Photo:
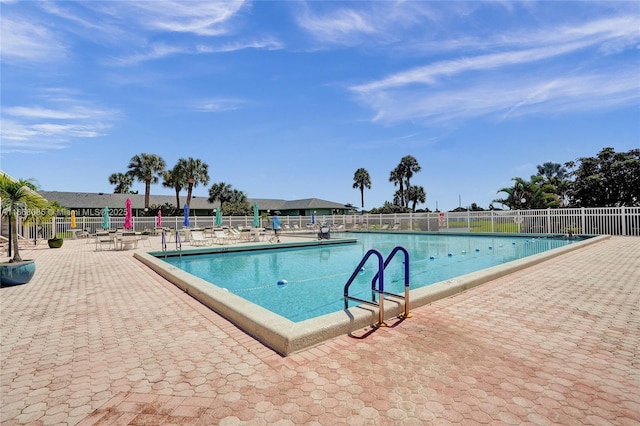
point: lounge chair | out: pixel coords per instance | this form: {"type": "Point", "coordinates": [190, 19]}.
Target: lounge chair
{"type": "Point", "coordinates": [128, 240]}
{"type": "Point", "coordinates": [222, 237]}
{"type": "Point", "coordinates": [197, 238]}
{"type": "Point", "coordinates": [396, 226]}
{"type": "Point", "coordinates": [103, 239]}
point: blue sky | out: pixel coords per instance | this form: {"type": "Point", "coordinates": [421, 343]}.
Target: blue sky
{"type": "Point", "coordinates": [288, 99]}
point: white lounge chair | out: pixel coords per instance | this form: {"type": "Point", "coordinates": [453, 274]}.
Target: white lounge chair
{"type": "Point", "coordinates": [197, 238]}
{"type": "Point", "coordinates": [103, 239]}
{"type": "Point", "coordinates": [222, 237]}
{"type": "Point", "coordinates": [127, 240]}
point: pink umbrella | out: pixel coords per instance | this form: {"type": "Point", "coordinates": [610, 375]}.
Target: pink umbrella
{"type": "Point", "coordinates": [128, 217]}
{"type": "Point", "coordinates": [159, 220]}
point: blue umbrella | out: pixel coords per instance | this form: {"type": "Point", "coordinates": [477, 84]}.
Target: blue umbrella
{"type": "Point", "coordinates": [313, 218]}
{"type": "Point", "coordinates": [186, 215]}
{"type": "Point", "coordinates": [218, 217]}
{"type": "Point", "coordinates": [105, 218]}
{"type": "Point", "coordinates": [256, 219]}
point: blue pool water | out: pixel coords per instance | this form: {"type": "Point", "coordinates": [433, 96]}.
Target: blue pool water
{"type": "Point", "coordinates": [315, 276]}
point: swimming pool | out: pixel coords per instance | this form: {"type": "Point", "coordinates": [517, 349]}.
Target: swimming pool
{"type": "Point", "coordinates": [286, 336]}
{"type": "Point", "coordinates": [303, 283]}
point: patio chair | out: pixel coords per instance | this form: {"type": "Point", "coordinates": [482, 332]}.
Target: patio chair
{"type": "Point", "coordinates": [197, 238]}
{"type": "Point", "coordinates": [222, 237]}
{"type": "Point", "coordinates": [103, 239]}
{"type": "Point", "coordinates": [128, 240]}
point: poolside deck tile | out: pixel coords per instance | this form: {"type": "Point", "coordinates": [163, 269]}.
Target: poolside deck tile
{"type": "Point", "coordinates": [98, 339]}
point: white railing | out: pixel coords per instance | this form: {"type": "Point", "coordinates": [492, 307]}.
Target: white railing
{"type": "Point", "coordinates": [595, 221]}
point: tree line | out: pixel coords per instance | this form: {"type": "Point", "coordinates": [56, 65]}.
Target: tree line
{"type": "Point", "coordinates": [187, 174]}
{"type": "Point", "coordinates": [608, 180]}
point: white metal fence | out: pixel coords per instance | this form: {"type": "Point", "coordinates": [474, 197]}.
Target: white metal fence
{"type": "Point", "coordinates": [597, 221]}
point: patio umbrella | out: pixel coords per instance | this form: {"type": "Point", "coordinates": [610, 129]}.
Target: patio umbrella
{"type": "Point", "coordinates": [159, 220]}
{"type": "Point", "coordinates": [73, 218]}
{"type": "Point", "coordinates": [218, 217]}
{"type": "Point", "coordinates": [256, 219]}
{"type": "Point", "coordinates": [128, 215]}
{"type": "Point", "coordinates": [105, 218]}
{"type": "Point", "coordinates": [313, 218]}
{"type": "Point", "coordinates": [186, 215]}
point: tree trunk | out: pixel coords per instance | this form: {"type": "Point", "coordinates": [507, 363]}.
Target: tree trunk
{"type": "Point", "coordinates": [14, 239]}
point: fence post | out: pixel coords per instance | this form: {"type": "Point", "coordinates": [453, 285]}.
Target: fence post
{"type": "Point", "coordinates": [493, 218]}
{"type": "Point", "coordinates": [548, 220]}
{"type": "Point", "coordinates": [624, 220]}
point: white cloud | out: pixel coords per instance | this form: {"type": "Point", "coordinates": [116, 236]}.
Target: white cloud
{"type": "Point", "coordinates": [25, 41]}
{"type": "Point", "coordinates": [54, 126]}
{"type": "Point", "coordinates": [201, 18]}
{"type": "Point", "coordinates": [515, 81]}
{"type": "Point", "coordinates": [218, 105]}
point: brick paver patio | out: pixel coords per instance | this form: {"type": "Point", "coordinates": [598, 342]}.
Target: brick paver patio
{"type": "Point", "coordinates": [96, 338]}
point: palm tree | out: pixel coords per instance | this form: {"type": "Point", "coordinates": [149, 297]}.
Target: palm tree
{"type": "Point", "coordinates": [361, 180]}
{"type": "Point", "coordinates": [17, 197]}
{"type": "Point", "coordinates": [533, 194]}
{"type": "Point", "coordinates": [409, 165]}
{"type": "Point", "coordinates": [196, 172]}
{"type": "Point", "coordinates": [416, 194]}
{"type": "Point", "coordinates": [397, 178]}
{"type": "Point", "coordinates": [122, 182]}
{"type": "Point", "coordinates": [173, 179]}
{"type": "Point", "coordinates": [402, 175]}
{"type": "Point", "coordinates": [220, 192]}
{"type": "Point", "coordinates": [553, 172]}
{"type": "Point", "coordinates": [146, 168]}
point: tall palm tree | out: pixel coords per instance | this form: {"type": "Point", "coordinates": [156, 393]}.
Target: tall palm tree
{"type": "Point", "coordinates": [122, 181]}
{"type": "Point", "coordinates": [220, 192]}
{"type": "Point", "coordinates": [146, 168]}
{"type": "Point", "coordinates": [409, 165]}
{"type": "Point", "coordinates": [361, 180]}
{"type": "Point", "coordinates": [196, 172]}
{"type": "Point", "coordinates": [401, 176]}
{"type": "Point", "coordinates": [16, 197]}
{"type": "Point", "coordinates": [397, 178]}
{"type": "Point", "coordinates": [173, 179]}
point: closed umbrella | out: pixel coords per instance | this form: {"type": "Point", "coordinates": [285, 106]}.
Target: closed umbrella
{"type": "Point", "coordinates": [159, 220]}
{"type": "Point", "coordinates": [186, 216]}
{"type": "Point", "coordinates": [73, 218]}
{"type": "Point", "coordinates": [256, 219]}
{"type": "Point", "coordinates": [105, 218]}
{"type": "Point", "coordinates": [128, 215]}
{"type": "Point", "coordinates": [218, 217]}
{"type": "Point", "coordinates": [313, 218]}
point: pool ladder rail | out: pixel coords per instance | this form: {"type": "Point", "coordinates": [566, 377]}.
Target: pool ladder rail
{"type": "Point", "coordinates": [379, 280]}
{"type": "Point", "coordinates": [164, 243]}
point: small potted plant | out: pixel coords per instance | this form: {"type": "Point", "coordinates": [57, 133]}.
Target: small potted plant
{"type": "Point", "coordinates": [55, 241]}
{"type": "Point", "coordinates": [18, 198]}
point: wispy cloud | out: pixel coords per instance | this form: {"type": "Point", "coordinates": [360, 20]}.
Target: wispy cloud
{"type": "Point", "coordinates": [466, 86]}
{"type": "Point", "coordinates": [26, 41]}
{"type": "Point", "coordinates": [54, 126]}
{"type": "Point", "coordinates": [218, 105]}
{"type": "Point", "coordinates": [202, 18]}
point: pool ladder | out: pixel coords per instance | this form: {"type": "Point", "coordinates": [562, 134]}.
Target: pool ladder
{"type": "Point", "coordinates": [379, 279]}
{"type": "Point", "coordinates": [164, 243]}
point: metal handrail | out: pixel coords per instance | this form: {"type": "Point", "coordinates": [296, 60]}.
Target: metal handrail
{"type": "Point", "coordinates": [380, 275]}
{"type": "Point", "coordinates": [395, 250]}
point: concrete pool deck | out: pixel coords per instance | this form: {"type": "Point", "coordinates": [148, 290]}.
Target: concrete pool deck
{"type": "Point", "coordinates": [98, 338]}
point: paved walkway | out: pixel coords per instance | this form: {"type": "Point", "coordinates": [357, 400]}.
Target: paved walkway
{"type": "Point", "coordinates": [96, 338]}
